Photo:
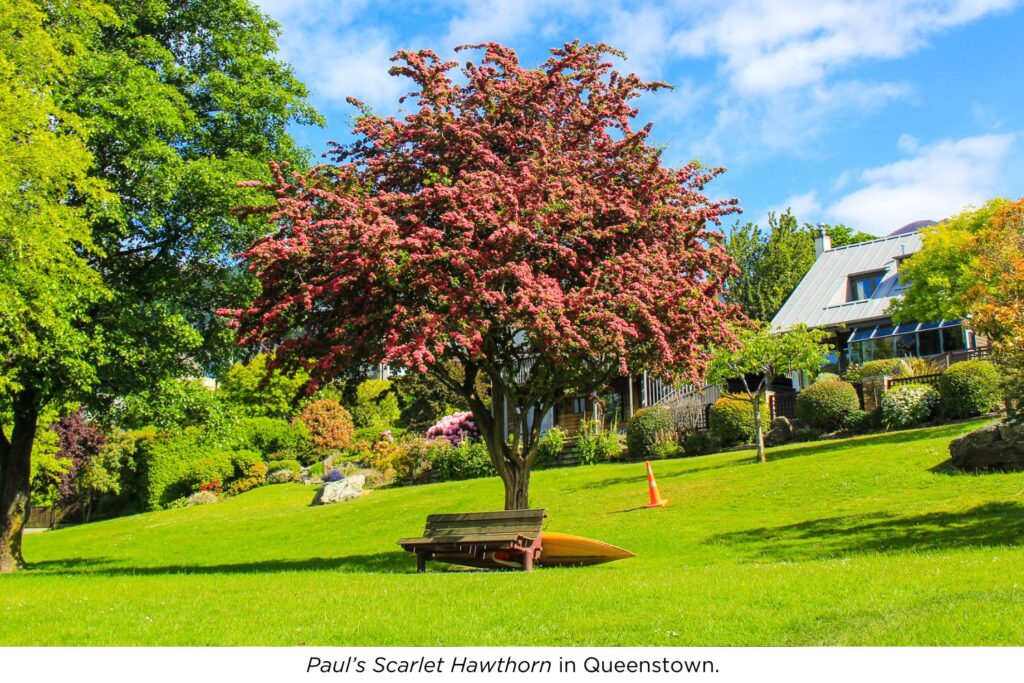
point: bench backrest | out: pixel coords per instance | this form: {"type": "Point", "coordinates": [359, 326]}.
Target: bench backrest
{"type": "Point", "coordinates": [525, 522]}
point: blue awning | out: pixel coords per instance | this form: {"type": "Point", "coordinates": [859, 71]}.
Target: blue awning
{"type": "Point", "coordinates": [861, 333]}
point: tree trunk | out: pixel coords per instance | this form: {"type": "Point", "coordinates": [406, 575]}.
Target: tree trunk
{"type": "Point", "coordinates": [759, 429]}
{"type": "Point", "coordinates": [15, 480]}
{"type": "Point", "coordinates": [517, 487]}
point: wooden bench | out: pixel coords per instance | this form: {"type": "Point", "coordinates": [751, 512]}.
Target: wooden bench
{"type": "Point", "coordinates": [509, 538]}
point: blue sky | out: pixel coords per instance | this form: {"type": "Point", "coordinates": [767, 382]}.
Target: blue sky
{"type": "Point", "coordinates": [873, 114]}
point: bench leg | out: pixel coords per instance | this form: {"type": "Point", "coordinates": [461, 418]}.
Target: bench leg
{"type": "Point", "coordinates": [421, 561]}
{"type": "Point", "coordinates": [528, 560]}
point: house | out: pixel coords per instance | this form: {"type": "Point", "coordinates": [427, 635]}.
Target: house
{"type": "Point", "coordinates": [848, 291]}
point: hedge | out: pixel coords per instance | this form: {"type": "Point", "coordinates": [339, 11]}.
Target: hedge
{"type": "Point", "coordinates": [731, 420]}
{"type": "Point", "coordinates": [909, 404]}
{"type": "Point", "coordinates": [825, 405]}
{"type": "Point", "coordinates": [648, 428]}
{"type": "Point", "coordinates": [270, 437]}
{"type": "Point", "coordinates": [970, 388]}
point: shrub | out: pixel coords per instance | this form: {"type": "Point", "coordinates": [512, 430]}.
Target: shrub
{"type": "Point", "coordinates": [896, 367]}
{"type": "Point", "coordinates": [201, 498]}
{"type": "Point", "coordinates": [292, 466]}
{"type": "Point", "coordinates": [254, 474]}
{"type": "Point", "coordinates": [455, 428]}
{"type": "Point", "coordinates": [376, 405]}
{"type": "Point", "coordinates": [853, 373]}
{"type": "Point", "coordinates": [280, 477]}
{"type": "Point", "coordinates": [700, 443]}
{"type": "Point", "coordinates": [826, 405]}
{"type": "Point", "coordinates": [207, 473]}
{"type": "Point", "coordinates": [857, 421]}
{"type": "Point", "coordinates": [165, 465]}
{"type": "Point", "coordinates": [647, 429]}
{"type": "Point", "coordinates": [731, 420]}
{"type": "Point", "coordinates": [316, 470]}
{"type": "Point", "coordinates": [329, 424]}
{"type": "Point", "coordinates": [908, 405]}
{"type": "Point", "coordinates": [826, 377]}
{"type": "Point", "coordinates": [468, 460]}
{"type": "Point", "coordinates": [408, 460]}
{"type": "Point", "coordinates": [594, 443]}
{"type": "Point", "coordinates": [970, 388]}
{"type": "Point", "coordinates": [272, 438]}
{"type": "Point", "coordinates": [551, 445]}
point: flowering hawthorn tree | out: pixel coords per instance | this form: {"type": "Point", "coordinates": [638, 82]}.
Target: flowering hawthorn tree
{"type": "Point", "coordinates": [514, 222]}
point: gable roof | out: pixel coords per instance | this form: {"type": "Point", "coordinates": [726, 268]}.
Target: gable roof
{"type": "Point", "coordinates": [820, 299]}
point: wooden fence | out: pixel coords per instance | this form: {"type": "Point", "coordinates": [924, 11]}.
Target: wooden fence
{"type": "Point", "coordinates": [931, 379]}
{"type": "Point", "coordinates": [43, 517]}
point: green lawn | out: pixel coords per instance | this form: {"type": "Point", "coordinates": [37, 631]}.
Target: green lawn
{"type": "Point", "coordinates": [866, 541]}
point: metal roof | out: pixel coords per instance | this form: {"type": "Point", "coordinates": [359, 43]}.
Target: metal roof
{"type": "Point", "coordinates": [820, 299]}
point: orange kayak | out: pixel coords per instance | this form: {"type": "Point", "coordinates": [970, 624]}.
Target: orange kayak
{"type": "Point", "coordinates": [565, 549]}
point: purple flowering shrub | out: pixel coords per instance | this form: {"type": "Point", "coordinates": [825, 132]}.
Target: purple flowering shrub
{"type": "Point", "coordinates": [455, 428]}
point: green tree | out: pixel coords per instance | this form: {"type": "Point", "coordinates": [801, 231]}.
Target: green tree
{"type": "Point", "coordinates": [773, 260]}
{"type": "Point", "coordinates": [125, 128]}
{"type": "Point", "coordinates": [940, 275]}
{"type": "Point", "coordinates": [765, 356]}
{"type": "Point", "coordinates": [258, 392]}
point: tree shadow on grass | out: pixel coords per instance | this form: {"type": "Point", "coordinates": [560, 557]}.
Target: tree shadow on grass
{"type": "Point", "coordinates": [795, 451]}
{"type": "Point", "coordinates": [988, 525]}
{"type": "Point", "coordinates": [395, 562]}
{"type": "Point", "coordinates": [882, 439]}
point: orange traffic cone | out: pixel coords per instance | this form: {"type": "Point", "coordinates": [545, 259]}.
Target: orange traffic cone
{"type": "Point", "coordinates": [656, 500]}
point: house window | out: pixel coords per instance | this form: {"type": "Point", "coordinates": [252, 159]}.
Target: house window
{"type": "Point", "coordinates": [863, 286]}
{"type": "Point", "coordinates": [579, 405]}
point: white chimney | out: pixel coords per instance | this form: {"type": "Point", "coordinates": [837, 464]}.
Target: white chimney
{"type": "Point", "coordinates": [822, 243]}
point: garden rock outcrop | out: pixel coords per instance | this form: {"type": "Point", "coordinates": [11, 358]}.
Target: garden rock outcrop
{"type": "Point", "coordinates": [337, 491]}
{"type": "Point", "coordinates": [996, 447]}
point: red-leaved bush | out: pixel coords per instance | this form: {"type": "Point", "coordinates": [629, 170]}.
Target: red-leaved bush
{"type": "Point", "coordinates": [515, 224]}
{"type": "Point", "coordinates": [329, 423]}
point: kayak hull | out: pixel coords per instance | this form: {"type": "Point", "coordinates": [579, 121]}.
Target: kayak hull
{"type": "Point", "coordinates": [559, 549]}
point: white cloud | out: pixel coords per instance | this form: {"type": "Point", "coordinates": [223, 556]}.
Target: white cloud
{"type": "Point", "coordinates": [478, 21]}
{"type": "Point", "coordinates": [805, 207]}
{"type": "Point", "coordinates": [939, 181]}
{"type": "Point", "coordinates": [332, 55]}
{"type": "Point", "coordinates": [772, 45]}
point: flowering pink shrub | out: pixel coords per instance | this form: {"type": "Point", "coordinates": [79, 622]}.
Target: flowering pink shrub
{"type": "Point", "coordinates": [455, 428]}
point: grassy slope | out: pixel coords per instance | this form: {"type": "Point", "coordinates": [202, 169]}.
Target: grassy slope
{"type": "Point", "coordinates": [864, 541]}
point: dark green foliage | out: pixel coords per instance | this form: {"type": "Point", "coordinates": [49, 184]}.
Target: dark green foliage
{"type": "Point", "coordinates": [424, 399]}
{"type": "Point", "coordinates": [700, 443]}
{"type": "Point", "coordinates": [468, 460]}
{"type": "Point", "coordinates": [825, 405]}
{"type": "Point", "coordinates": [272, 438]}
{"type": "Point", "coordinates": [731, 420]}
{"type": "Point", "coordinates": [857, 421]}
{"type": "Point", "coordinates": [376, 404]}
{"type": "Point", "coordinates": [647, 429]}
{"type": "Point", "coordinates": [551, 445]}
{"type": "Point", "coordinates": [970, 388]}
{"type": "Point", "coordinates": [773, 261]}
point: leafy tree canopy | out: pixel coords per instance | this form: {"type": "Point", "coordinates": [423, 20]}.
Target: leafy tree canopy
{"type": "Point", "coordinates": [124, 127]}
{"type": "Point", "coordinates": [773, 260]}
{"type": "Point", "coordinates": [514, 222]}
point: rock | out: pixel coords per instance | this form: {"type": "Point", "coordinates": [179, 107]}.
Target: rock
{"type": "Point", "coordinates": [280, 477]}
{"type": "Point", "coordinates": [337, 491]}
{"type": "Point", "coordinates": [202, 498]}
{"type": "Point", "coordinates": [995, 447]}
{"type": "Point", "coordinates": [780, 432]}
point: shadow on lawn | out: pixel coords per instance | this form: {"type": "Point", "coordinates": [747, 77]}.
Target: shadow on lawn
{"type": "Point", "coordinates": [395, 562]}
{"type": "Point", "coordinates": [989, 525]}
{"type": "Point", "coordinates": [798, 450]}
